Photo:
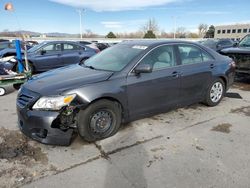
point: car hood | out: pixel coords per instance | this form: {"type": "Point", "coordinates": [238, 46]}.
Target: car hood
{"type": "Point", "coordinates": [236, 50]}
{"type": "Point", "coordinates": [65, 79]}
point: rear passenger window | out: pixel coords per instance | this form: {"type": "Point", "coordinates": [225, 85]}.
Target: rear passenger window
{"type": "Point", "coordinates": [192, 55]}
{"type": "Point", "coordinates": [69, 47]}
{"type": "Point", "coordinates": [160, 58]}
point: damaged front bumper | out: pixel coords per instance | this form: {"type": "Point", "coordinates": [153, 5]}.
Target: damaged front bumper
{"type": "Point", "coordinates": [38, 125]}
{"type": "Point", "coordinates": [47, 127]}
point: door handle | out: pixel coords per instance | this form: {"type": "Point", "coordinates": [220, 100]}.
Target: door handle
{"type": "Point", "coordinates": [175, 74]}
{"type": "Point", "coordinates": [212, 66]}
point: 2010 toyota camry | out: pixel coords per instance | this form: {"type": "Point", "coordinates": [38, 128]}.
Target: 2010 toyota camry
{"type": "Point", "coordinates": [128, 81]}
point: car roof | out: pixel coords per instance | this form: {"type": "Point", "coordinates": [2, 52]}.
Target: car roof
{"type": "Point", "coordinates": [150, 43]}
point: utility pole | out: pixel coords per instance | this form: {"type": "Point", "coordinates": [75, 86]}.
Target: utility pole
{"type": "Point", "coordinates": [174, 20]}
{"type": "Point", "coordinates": [80, 11]}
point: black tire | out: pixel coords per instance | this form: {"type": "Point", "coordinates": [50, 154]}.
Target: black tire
{"type": "Point", "coordinates": [214, 96]}
{"type": "Point", "coordinates": [17, 86]}
{"type": "Point", "coordinates": [2, 91]}
{"type": "Point", "coordinates": [100, 120]}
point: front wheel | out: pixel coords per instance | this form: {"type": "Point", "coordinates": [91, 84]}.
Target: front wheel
{"type": "Point", "coordinates": [215, 92]}
{"type": "Point", "coordinates": [100, 120]}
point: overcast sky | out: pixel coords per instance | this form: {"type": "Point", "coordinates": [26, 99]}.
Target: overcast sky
{"type": "Point", "coordinates": [102, 16]}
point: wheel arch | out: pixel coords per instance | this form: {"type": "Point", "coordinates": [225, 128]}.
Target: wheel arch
{"type": "Point", "coordinates": [113, 99]}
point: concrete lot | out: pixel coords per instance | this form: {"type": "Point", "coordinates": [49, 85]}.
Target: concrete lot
{"type": "Point", "coordinates": [192, 147]}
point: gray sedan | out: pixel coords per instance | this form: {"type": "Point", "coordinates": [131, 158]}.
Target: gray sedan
{"type": "Point", "coordinates": [126, 82]}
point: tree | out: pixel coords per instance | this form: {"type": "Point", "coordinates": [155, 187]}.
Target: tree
{"type": "Point", "coordinates": [150, 25]}
{"type": "Point", "coordinates": [210, 32]}
{"type": "Point", "coordinates": [110, 35]}
{"type": "Point", "coordinates": [202, 29]}
{"type": "Point", "coordinates": [181, 32]}
{"type": "Point", "coordinates": [149, 34]}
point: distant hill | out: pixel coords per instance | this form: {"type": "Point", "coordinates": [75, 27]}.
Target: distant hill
{"type": "Point", "coordinates": [35, 34]}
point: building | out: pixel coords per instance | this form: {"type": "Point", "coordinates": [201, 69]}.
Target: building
{"type": "Point", "coordinates": [237, 31]}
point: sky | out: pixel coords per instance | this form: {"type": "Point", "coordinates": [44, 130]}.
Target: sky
{"type": "Point", "coordinates": [102, 16]}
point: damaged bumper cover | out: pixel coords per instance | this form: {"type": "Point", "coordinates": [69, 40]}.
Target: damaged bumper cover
{"type": "Point", "coordinates": [38, 125]}
{"type": "Point", "coordinates": [47, 127]}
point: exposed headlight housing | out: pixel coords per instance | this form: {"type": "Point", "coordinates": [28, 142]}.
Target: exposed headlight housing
{"type": "Point", "coordinates": [53, 103]}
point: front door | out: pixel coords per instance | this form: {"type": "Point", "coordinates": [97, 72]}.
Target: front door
{"type": "Point", "coordinates": [150, 93]}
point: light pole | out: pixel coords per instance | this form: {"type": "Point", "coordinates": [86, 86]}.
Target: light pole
{"type": "Point", "coordinates": [80, 11]}
{"type": "Point", "coordinates": [174, 20]}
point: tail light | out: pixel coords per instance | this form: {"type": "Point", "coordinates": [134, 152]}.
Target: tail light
{"type": "Point", "coordinates": [97, 50]}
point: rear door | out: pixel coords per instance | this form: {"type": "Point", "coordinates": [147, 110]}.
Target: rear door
{"type": "Point", "coordinates": [71, 53]}
{"type": "Point", "coordinates": [196, 72]}
{"type": "Point", "coordinates": [48, 57]}
{"type": "Point", "coordinates": [156, 91]}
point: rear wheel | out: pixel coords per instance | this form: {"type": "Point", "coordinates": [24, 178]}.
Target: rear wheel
{"type": "Point", "coordinates": [215, 92]}
{"type": "Point", "coordinates": [100, 120]}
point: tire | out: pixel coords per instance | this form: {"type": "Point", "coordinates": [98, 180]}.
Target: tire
{"type": "Point", "coordinates": [2, 91]}
{"type": "Point", "coordinates": [17, 86]}
{"type": "Point", "coordinates": [215, 92]}
{"type": "Point", "coordinates": [100, 120]}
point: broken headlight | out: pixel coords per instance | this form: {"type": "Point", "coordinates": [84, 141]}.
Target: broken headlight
{"type": "Point", "coordinates": [53, 103]}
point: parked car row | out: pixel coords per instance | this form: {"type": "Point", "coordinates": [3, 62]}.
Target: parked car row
{"type": "Point", "coordinates": [52, 54]}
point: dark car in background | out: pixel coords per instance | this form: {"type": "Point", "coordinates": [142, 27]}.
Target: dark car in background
{"type": "Point", "coordinates": [123, 83]}
{"type": "Point", "coordinates": [218, 44]}
{"type": "Point", "coordinates": [55, 54]}
{"type": "Point", "coordinates": [241, 55]}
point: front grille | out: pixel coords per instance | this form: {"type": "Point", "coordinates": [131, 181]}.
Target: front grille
{"type": "Point", "coordinates": [26, 98]}
{"type": "Point", "coordinates": [23, 100]}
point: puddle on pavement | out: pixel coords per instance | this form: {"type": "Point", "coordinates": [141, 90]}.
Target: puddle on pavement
{"type": "Point", "coordinates": [224, 128]}
{"type": "Point", "coordinates": [242, 110]}
{"type": "Point", "coordinates": [14, 146]}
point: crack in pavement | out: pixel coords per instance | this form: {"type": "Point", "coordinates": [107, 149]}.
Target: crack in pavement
{"type": "Point", "coordinates": [193, 125]}
{"type": "Point", "coordinates": [104, 155]}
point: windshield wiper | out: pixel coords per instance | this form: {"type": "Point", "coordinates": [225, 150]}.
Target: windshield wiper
{"type": "Point", "coordinates": [90, 67]}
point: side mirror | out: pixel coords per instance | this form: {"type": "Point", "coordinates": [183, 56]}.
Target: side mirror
{"type": "Point", "coordinates": [143, 68]}
{"type": "Point", "coordinates": [235, 44]}
{"type": "Point", "coordinates": [42, 52]}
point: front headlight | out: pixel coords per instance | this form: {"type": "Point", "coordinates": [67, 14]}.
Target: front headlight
{"type": "Point", "coordinates": [53, 103]}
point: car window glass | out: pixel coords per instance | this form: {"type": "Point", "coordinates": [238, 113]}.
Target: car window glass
{"type": "Point", "coordinates": [70, 47]}
{"type": "Point", "coordinates": [160, 58]}
{"type": "Point", "coordinates": [206, 57]}
{"type": "Point", "coordinates": [114, 58]}
{"type": "Point", "coordinates": [245, 42]}
{"type": "Point", "coordinates": [225, 42]}
{"type": "Point", "coordinates": [52, 47]}
{"type": "Point", "coordinates": [190, 54]}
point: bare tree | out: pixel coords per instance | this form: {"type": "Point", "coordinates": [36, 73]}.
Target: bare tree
{"type": "Point", "coordinates": [202, 29]}
{"type": "Point", "coordinates": [89, 34]}
{"type": "Point", "coordinates": [181, 32]}
{"type": "Point", "coordinates": [150, 25]}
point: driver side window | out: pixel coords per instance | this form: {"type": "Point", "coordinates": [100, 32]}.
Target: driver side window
{"type": "Point", "coordinates": [160, 58]}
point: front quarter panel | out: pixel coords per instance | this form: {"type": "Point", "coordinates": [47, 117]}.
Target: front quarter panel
{"type": "Point", "coordinates": [114, 89]}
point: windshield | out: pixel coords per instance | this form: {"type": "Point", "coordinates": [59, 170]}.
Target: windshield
{"type": "Point", "coordinates": [36, 47]}
{"type": "Point", "coordinates": [245, 42]}
{"type": "Point", "coordinates": [114, 58]}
